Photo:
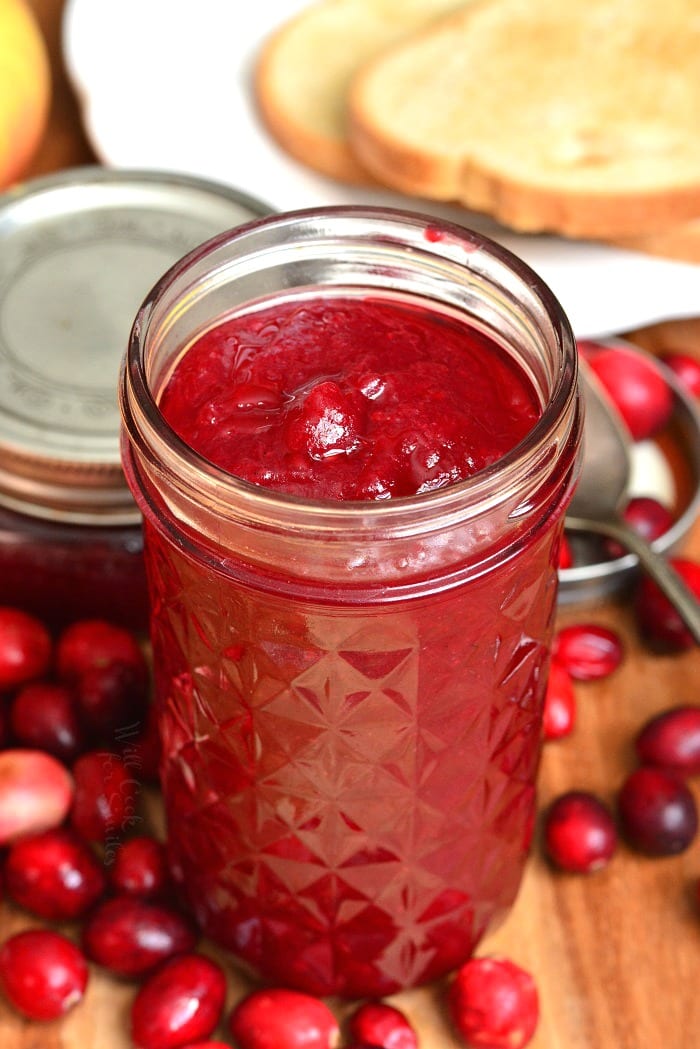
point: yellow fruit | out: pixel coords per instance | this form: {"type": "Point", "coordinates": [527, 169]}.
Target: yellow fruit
{"type": "Point", "coordinates": [25, 88]}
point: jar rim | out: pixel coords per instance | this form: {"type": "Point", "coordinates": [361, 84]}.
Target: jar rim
{"type": "Point", "coordinates": [141, 414]}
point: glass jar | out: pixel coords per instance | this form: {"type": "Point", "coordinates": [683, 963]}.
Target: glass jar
{"type": "Point", "coordinates": [78, 251]}
{"type": "Point", "coordinates": [350, 694]}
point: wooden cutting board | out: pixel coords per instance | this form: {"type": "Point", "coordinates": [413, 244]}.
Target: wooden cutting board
{"type": "Point", "coordinates": [615, 955]}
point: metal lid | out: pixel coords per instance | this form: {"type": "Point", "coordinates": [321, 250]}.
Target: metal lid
{"type": "Point", "coordinates": [78, 253]}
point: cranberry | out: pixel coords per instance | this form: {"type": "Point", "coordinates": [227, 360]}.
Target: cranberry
{"type": "Point", "coordinates": [658, 620]}
{"type": "Point", "coordinates": [280, 1019]}
{"type": "Point", "coordinates": [579, 833]}
{"type": "Point", "coordinates": [494, 1004]}
{"type": "Point", "coordinates": [565, 557]}
{"type": "Point", "coordinates": [180, 1003]}
{"type": "Point", "coordinates": [93, 643]}
{"type": "Point", "coordinates": [382, 1025]}
{"type": "Point", "coordinates": [54, 875]}
{"type": "Point", "coordinates": [657, 812]}
{"type": "Point", "coordinates": [672, 740]}
{"type": "Point", "coordinates": [42, 973]}
{"type": "Point", "coordinates": [130, 937]}
{"type": "Point", "coordinates": [25, 648]}
{"type": "Point", "coordinates": [587, 651]}
{"type": "Point", "coordinates": [559, 716]}
{"type": "Point", "coordinates": [36, 793]}
{"type": "Point", "coordinates": [111, 697]}
{"type": "Point", "coordinates": [646, 516]}
{"type": "Point", "coordinates": [327, 423]}
{"type": "Point", "coordinates": [44, 715]}
{"type": "Point", "coordinates": [105, 802]}
{"type": "Point", "coordinates": [686, 369]}
{"type": "Point", "coordinates": [140, 867]}
{"type": "Point", "coordinates": [636, 387]}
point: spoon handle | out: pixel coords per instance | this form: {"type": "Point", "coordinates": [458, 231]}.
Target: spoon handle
{"type": "Point", "coordinates": [667, 579]}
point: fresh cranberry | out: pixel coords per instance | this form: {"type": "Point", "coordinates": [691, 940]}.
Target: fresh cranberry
{"type": "Point", "coordinates": [671, 740]}
{"type": "Point", "coordinates": [658, 620]}
{"type": "Point", "coordinates": [281, 1019]}
{"type": "Point", "coordinates": [686, 369]}
{"type": "Point", "coordinates": [26, 648]}
{"type": "Point", "coordinates": [565, 558]}
{"type": "Point", "coordinates": [93, 643]}
{"type": "Point", "coordinates": [130, 937]}
{"type": "Point", "coordinates": [657, 812]}
{"type": "Point", "coordinates": [105, 802]}
{"type": "Point", "coordinates": [36, 793]}
{"type": "Point", "coordinates": [579, 833]}
{"type": "Point", "coordinates": [636, 387]}
{"type": "Point", "coordinates": [559, 716]}
{"type": "Point", "coordinates": [42, 973]}
{"type": "Point", "coordinates": [111, 698]}
{"type": "Point", "coordinates": [44, 715]}
{"type": "Point", "coordinates": [494, 1004]}
{"type": "Point", "coordinates": [587, 651]}
{"type": "Point", "coordinates": [180, 1003]}
{"type": "Point", "coordinates": [140, 867]}
{"type": "Point", "coordinates": [378, 1024]}
{"type": "Point", "coordinates": [645, 516]}
{"type": "Point", "coordinates": [55, 875]}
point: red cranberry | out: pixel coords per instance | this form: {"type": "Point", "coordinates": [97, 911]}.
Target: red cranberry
{"type": "Point", "coordinates": [25, 648]}
{"type": "Point", "coordinates": [636, 387]}
{"type": "Point", "coordinates": [587, 651]}
{"type": "Point", "coordinates": [559, 716]}
{"type": "Point", "coordinates": [111, 698]}
{"type": "Point", "coordinates": [672, 740]}
{"type": "Point", "coordinates": [658, 620]}
{"type": "Point", "coordinates": [105, 802]}
{"type": "Point", "coordinates": [646, 516]}
{"type": "Point", "coordinates": [378, 1024]}
{"type": "Point", "coordinates": [44, 715]}
{"type": "Point", "coordinates": [54, 875]}
{"type": "Point", "coordinates": [686, 369]}
{"type": "Point", "coordinates": [280, 1019]}
{"type": "Point", "coordinates": [494, 1004]}
{"type": "Point", "coordinates": [565, 557]}
{"type": "Point", "coordinates": [140, 867]}
{"type": "Point", "coordinates": [36, 793]}
{"type": "Point", "coordinates": [130, 937]}
{"type": "Point", "coordinates": [180, 1003]}
{"type": "Point", "coordinates": [579, 833]}
{"type": "Point", "coordinates": [657, 812]}
{"type": "Point", "coordinates": [93, 643]}
{"type": "Point", "coordinates": [42, 973]}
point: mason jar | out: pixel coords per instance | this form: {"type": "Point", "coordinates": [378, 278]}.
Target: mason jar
{"type": "Point", "coordinates": [350, 692]}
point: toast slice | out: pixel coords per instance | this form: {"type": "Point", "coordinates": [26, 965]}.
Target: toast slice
{"type": "Point", "coordinates": [304, 70]}
{"type": "Point", "coordinates": [581, 118]}
{"type": "Point", "coordinates": [681, 243]}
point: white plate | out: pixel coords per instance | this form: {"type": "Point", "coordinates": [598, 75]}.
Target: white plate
{"type": "Point", "coordinates": [166, 85]}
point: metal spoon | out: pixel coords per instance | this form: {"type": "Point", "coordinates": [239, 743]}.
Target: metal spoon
{"type": "Point", "coordinates": [601, 492]}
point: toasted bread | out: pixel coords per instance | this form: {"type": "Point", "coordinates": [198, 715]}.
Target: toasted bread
{"type": "Point", "coordinates": [582, 118]}
{"type": "Point", "coordinates": [681, 243]}
{"type": "Point", "coordinates": [303, 72]}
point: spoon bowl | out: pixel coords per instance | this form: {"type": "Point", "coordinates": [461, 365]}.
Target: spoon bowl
{"type": "Point", "coordinates": [602, 491]}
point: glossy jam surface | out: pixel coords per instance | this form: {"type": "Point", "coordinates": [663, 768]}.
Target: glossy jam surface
{"type": "Point", "coordinates": [349, 399]}
{"type": "Point", "coordinates": [349, 775]}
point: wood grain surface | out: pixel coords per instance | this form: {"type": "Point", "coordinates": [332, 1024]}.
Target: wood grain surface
{"type": "Point", "coordinates": [615, 955]}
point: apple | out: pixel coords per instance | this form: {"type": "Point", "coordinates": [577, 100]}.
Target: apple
{"type": "Point", "coordinates": [25, 88]}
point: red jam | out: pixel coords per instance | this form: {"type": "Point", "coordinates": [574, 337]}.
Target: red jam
{"type": "Point", "coordinates": [347, 399]}
{"type": "Point", "coordinates": [349, 770]}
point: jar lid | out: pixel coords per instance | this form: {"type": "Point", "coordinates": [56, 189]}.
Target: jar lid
{"type": "Point", "coordinates": [78, 253]}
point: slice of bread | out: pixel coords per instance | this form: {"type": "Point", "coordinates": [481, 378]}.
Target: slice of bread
{"type": "Point", "coordinates": [681, 243]}
{"type": "Point", "coordinates": [579, 117]}
{"type": "Point", "coordinates": [304, 70]}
